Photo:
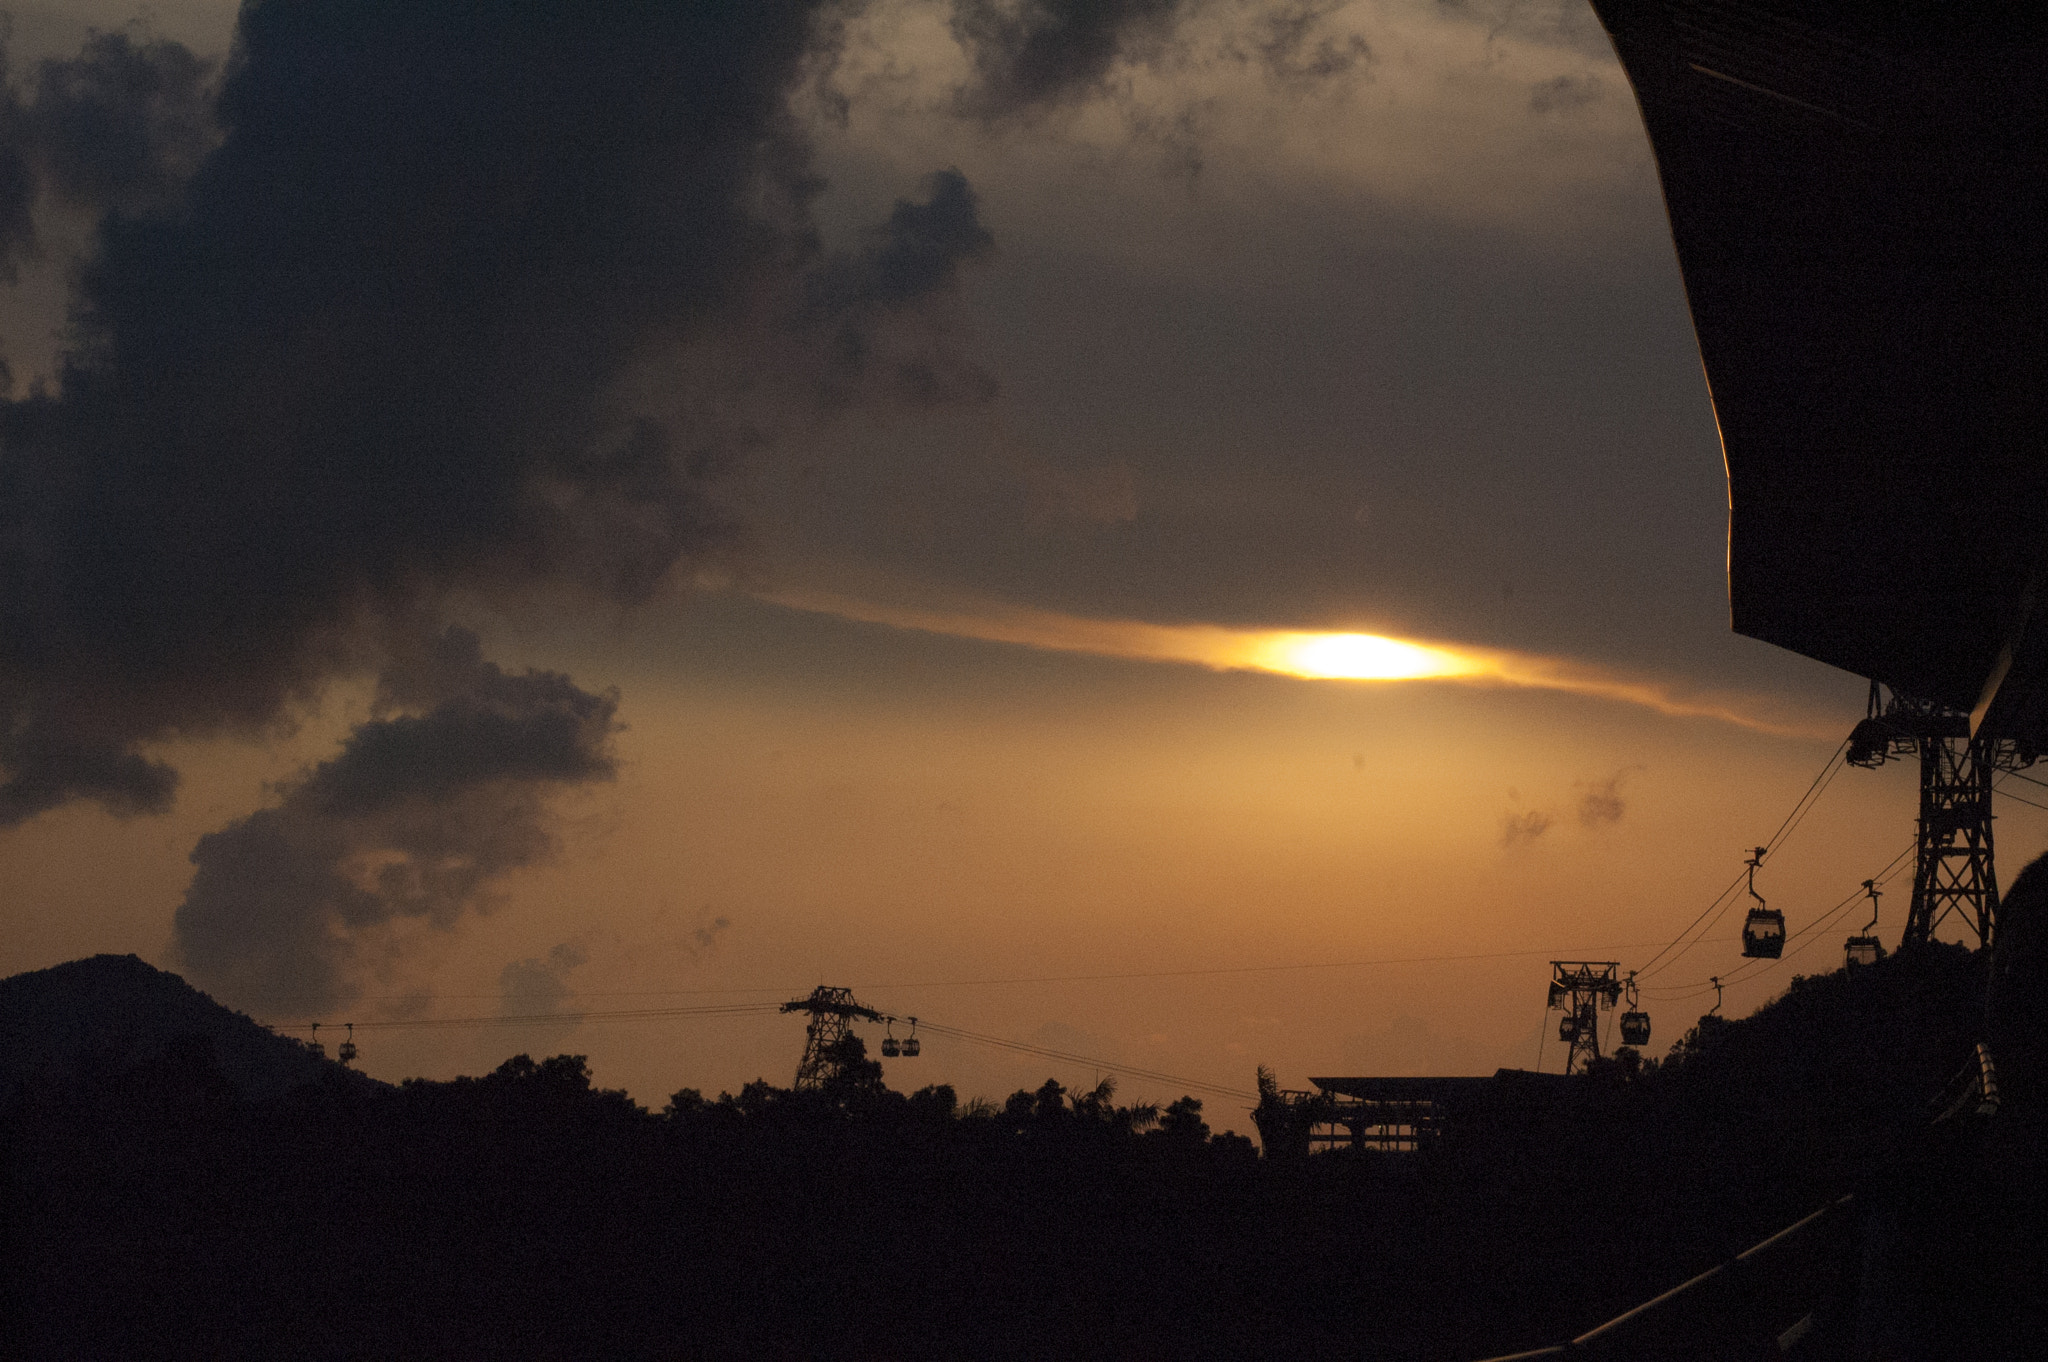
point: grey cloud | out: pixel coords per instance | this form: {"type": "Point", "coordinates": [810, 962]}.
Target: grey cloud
{"type": "Point", "coordinates": [416, 820]}
{"type": "Point", "coordinates": [1600, 801]}
{"type": "Point", "coordinates": [914, 256]}
{"type": "Point", "coordinates": [120, 127]}
{"type": "Point", "coordinates": [1518, 828]}
{"type": "Point", "coordinates": [1031, 54]}
{"type": "Point", "coordinates": [1290, 42]}
{"type": "Point", "coordinates": [124, 124]}
{"type": "Point", "coordinates": [535, 986]}
{"type": "Point", "coordinates": [920, 249]}
{"type": "Point", "coordinates": [704, 940]}
{"type": "Point", "coordinates": [1564, 93]}
{"type": "Point", "coordinates": [364, 326]}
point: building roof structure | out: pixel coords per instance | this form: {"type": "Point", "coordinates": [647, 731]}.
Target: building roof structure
{"type": "Point", "coordinates": [1856, 194]}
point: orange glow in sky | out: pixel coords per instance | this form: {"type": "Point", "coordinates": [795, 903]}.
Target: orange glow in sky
{"type": "Point", "coordinates": [1315, 655]}
{"type": "Point", "coordinates": [1355, 657]}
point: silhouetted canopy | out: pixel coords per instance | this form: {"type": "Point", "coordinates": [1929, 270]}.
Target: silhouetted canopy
{"type": "Point", "coordinates": [1855, 191]}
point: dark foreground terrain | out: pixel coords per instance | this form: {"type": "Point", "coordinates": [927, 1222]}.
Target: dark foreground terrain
{"type": "Point", "coordinates": [155, 1209]}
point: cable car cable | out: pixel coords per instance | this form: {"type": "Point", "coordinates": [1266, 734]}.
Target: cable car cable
{"type": "Point", "coordinates": [1679, 991]}
{"type": "Point", "coordinates": [1745, 973]}
{"type": "Point", "coordinates": [1790, 824]}
{"type": "Point", "coordinates": [2020, 799]}
{"type": "Point", "coordinates": [1109, 978]}
{"type": "Point", "coordinates": [1128, 1070]}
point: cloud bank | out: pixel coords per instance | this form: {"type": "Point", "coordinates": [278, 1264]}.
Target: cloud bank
{"type": "Point", "coordinates": [376, 319]}
{"type": "Point", "coordinates": [425, 809]}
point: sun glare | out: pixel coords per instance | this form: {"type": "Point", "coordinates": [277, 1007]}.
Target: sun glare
{"type": "Point", "coordinates": [1357, 657]}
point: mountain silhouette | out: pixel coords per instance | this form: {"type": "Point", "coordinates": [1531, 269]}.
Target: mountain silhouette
{"type": "Point", "coordinates": [111, 1014]}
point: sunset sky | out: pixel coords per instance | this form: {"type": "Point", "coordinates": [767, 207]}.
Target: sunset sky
{"type": "Point", "coordinates": [1004, 698]}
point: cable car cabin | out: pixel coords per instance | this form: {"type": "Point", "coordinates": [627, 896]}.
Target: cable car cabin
{"type": "Point", "coordinates": [1763, 934]}
{"type": "Point", "coordinates": [911, 1046]}
{"type": "Point", "coordinates": [1863, 950]}
{"type": "Point", "coordinates": [1567, 1029]}
{"type": "Point", "coordinates": [1635, 1028]}
{"type": "Point", "coordinates": [890, 1047]}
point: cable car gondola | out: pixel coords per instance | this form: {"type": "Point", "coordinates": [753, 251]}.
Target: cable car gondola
{"type": "Point", "coordinates": [1635, 1023]}
{"type": "Point", "coordinates": [1864, 948]}
{"type": "Point", "coordinates": [910, 1042]}
{"type": "Point", "coordinates": [891, 1047]}
{"type": "Point", "coordinates": [347, 1053]}
{"type": "Point", "coordinates": [1568, 1028]}
{"type": "Point", "coordinates": [1763, 931]}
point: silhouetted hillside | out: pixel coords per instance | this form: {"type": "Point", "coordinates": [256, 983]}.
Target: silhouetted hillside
{"type": "Point", "coordinates": [95, 1018]}
{"type": "Point", "coordinates": [527, 1213]}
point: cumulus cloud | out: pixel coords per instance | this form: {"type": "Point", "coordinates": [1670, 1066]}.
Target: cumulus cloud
{"type": "Point", "coordinates": [426, 808]}
{"type": "Point", "coordinates": [370, 320]}
{"type": "Point", "coordinates": [1519, 828]}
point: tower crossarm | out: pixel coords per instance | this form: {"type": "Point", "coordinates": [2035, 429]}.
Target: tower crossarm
{"type": "Point", "coordinates": [828, 1007]}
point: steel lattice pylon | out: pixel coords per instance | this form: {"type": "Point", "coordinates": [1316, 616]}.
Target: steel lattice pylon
{"type": "Point", "coordinates": [832, 1012]}
{"type": "Point", "coordinates": [1954, 873]}
{"type": "Point", "coordinates": [1582, 989]}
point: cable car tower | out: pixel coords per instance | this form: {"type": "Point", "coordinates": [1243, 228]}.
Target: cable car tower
{"type": "Point", "coordinates": [1582, 989]}
{"type": "Point", "coordinates": [1954, 874]}
{"type": "Point", "coordinates": [832, 1012]}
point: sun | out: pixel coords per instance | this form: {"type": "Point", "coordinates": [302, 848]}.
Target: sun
{"type": "Point", "coordinates": [1357, 657]}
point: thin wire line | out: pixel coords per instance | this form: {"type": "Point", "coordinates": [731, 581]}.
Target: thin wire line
{"type": "Point", "coordinates": [1814, 790]}
{"type": "Point", "coordinates": [2017, 799]}
{"type": "Point", "coordinates": [1812, 793]}
{"type": "Point", "coordinates": [1756, 969]}
{"type": "Point", "coordinates": [1046, 1052]}
{"type": "Point", "coordinates": [1255, 969]}
{"type": "Point", "coordinates": [1651, 967]}
{"type": "Point", "coordinates": [548, 1018]}
{"type": "Point", "coordinates": [1116, 977]}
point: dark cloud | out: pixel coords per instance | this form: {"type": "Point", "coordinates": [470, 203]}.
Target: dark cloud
{"type": "Point", "coordinates": [920, 249]}
{"type": "Point", "coordinates": [1291, 42]}
{"type": "Point", "coordinates": [414, 821]}
{"type": "Point", "coordinates": [1033, 55]}
{"type": "Point", "coordinates": [119, 127]}
{"type": "Point", "coordinates": [379, 346]}
{"type": "Point", "coordinates": [1029, 54]}
{"type": "Point", "coordinates": [704, 940]}
{"type": "Point", "coordinates": [1517, 828]}
{"type": "Point", "coordinates": [916, 254]}
{"type": "Point", "coordinates": [124, 124]}
{"type": "Point", "coordinates": [535, 986]}
{"type": "Point", "coordinates": [17, 183]}
{"type": "Point", "coordinates": [1600, 801]}
{"type": "Point", "coordinates": [1564, 92]}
